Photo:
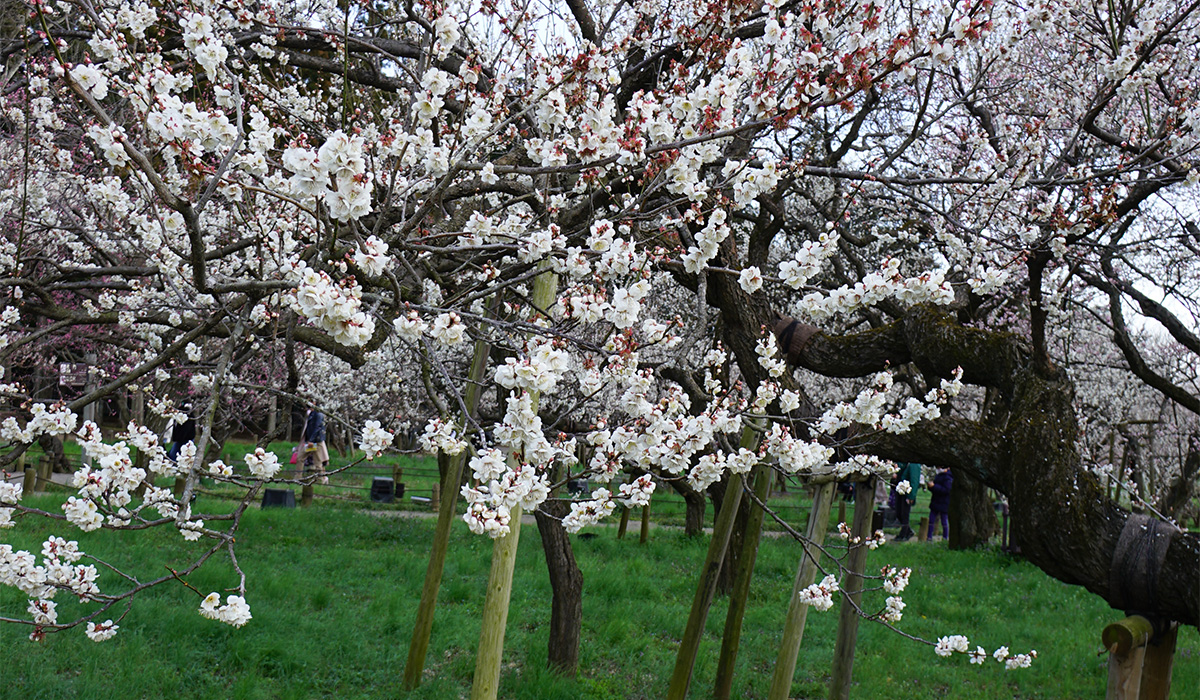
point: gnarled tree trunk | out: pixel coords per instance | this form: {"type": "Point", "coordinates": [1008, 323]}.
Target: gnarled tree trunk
{"type": "Point", "coordinates": [566, 583]}
{"type": "Point", "coordinates": [972, 516]}
{"type": "Point", "coordinates": [1064, 521]}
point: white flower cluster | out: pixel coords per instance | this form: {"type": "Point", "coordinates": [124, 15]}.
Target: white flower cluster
{"type": "Point", "coordinates": [263, 465]}
{"type": "Point", "coordinates": [489, 507]}
{"type": "Point", "coordinates": [928, 287]}
{"type": "Point", "coordinates": [947, 646]}
{"type": "Point", "coordinates": [335, 308]}
{"type": "Point", "coordinates": [102, 631]}
{"type": "Point", "coordinates": [234, 612]}
{"type": "Point", "coordinates": [584, 513]}
{"type": "Point", "coordinates": [807, 262]}
{"type": "Point", "coordinates": [637, 493]}
{"type": "Point", "coordinates": [708, 240]}
{"type": "Point", "coordinates": [820, 595]}
{"type": "Point", "coordinates": [372, 256]}
{"type": "Point", "coordinates": [448, 329]}
{"type": "Point", "coordinates": [767, 350]}
{"type": "Point", "coordinates": [335, 174]}
{"type": "Point", "coordinates": [868, 407]}
{"type": "Point", "coordinates": [893, 610]}
{"type": "Point", "coordinates": [539, 369]}
{"type": "Point", "coordinates": [58, 420]}
{"type": "Point", "coordinates": [374, 439]}
{"type": "Point", "coordinates": [895, 580]}
{"type": "Point", "coordinates": [442, 436]}
{"type": "Point", "coordinates": [202, 42]}
{"type": "Point", "coordinates": [1014, 661]}
{"type": "Point", "coordinates": [59, 570]}
{"type": "Point", "coordinates": [950, 644]}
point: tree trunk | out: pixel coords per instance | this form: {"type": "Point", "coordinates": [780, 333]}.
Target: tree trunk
{"type": "Point", "coordinates": [694, 502]}
{"type": "Point", "coordinates": [566, 582]}
{"type": "Point", "coordinates": [972, 516]}
{"type": "Point", "coordinates": [1063, 521]}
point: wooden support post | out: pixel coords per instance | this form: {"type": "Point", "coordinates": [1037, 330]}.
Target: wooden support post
{"type": "Point", "coordinates": [624, 522]}
{"type": "Point", "coordinates": [923, 529]}
{"type": "Point", "coordinates": [740, 594]}
{"type": "Point", "coordinates": [842, 511]}
{"type": "Point", "coordinates": [793, 627]}
{"type": "Point", "coordinates": [1138, 668]}
{"type": "Point", "coordinates": [44, 470]}
{"type": "Point", "coordinates": [30, 484]}
{"type": "Point", "coordinates": [435, 498]}
{"type": "Point", "coordinates": [706, 587]}
{"type": "Point", "coordinates": [852, 585]}
{"type": "Point", "coordinates": [645, 525]}
{"type": "Point", "coordinates": [486, 684]}
{"type": "Point", "coordinates": [1156, 667]}
{"type": "Point", "coordinates": [180, 483]}
{"type": "Point", "coordinates": [306, 495]}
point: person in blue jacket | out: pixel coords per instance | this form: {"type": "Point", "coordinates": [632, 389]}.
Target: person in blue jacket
{"type": "Point", "coordinates": [939, 503]}
{"type": "Point", "coordinates": [314, 442]}
{"type": "Point", "coordinates": [908, 480]}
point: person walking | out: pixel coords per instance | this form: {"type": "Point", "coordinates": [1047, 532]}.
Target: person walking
{"type": "Point", "coordinates": [182, 434]}
{"type": "Point", "coordinates": [315, 452]}
{"type": "Point", "coordinates": [939, 503]}
{"type": "Point", "coordinates": [908, 479]}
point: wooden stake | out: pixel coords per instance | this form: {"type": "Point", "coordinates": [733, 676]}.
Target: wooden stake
{"type": "Point", "coordinates": [1156, 666]}
{"type": "Point", "coordinates": [495, 608]}
{"type": "Point", "coordinates": [923, 529]}
{"type": "Point", "coordinates": [486, 684]}
{"type": "Point", "coordinates": [793, 626]}
{"type": "Point", "coordinates": [306, 495]}
{"type": "Point", "coordinates": [685, 659]}
{"type": "Point", "coordinates": [418, 648]}
{"type": "Point", "coordinates": [852, 585]}
{"type": "Point", "coordinates": [645, 525]}
{"type": "Point", "coordinates": [741, 587]}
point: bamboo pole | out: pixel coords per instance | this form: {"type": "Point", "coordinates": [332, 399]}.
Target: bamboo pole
{"type": "Point", "coordinates": [741, 587]}
{"type": "Point", "coordinates": [685, 659]}
{"type": "Point", "coordinates": [797, 614]}
{"type": "Point", "coordinates": [486, 684]}
{"type": "Point", "coordinates": [843, 652]}
{"type": "Point", "coordinates": [418, 648]}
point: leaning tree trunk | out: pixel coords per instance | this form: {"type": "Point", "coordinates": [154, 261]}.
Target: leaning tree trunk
{"type": "Point", "coordinates": [1064, 522]}
{"type": "Point", "coordinates": [566, 583]}
{"type": "Point", "coordinates": [972, 517]}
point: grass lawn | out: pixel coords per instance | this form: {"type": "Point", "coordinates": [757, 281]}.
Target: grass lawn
{"type": "Point", "coordinates": [334, 590]}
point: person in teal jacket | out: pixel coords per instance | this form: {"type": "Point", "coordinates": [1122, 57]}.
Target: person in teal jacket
{"type": "Point", "coordinates": [908, 479]}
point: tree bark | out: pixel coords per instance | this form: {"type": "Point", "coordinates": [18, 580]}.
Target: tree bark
{"type": "Point", "coordinates": [694, 503]}
{"type": "Point", "coordinates": [566, 583]}
{"type": "Point", "coordinates": [972, 516]}
{"type": "Point", "coordinates": [1063, 520]}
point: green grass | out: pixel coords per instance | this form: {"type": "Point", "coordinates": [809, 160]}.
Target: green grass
{"type": "Point", "coordinates": [334, 592]}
